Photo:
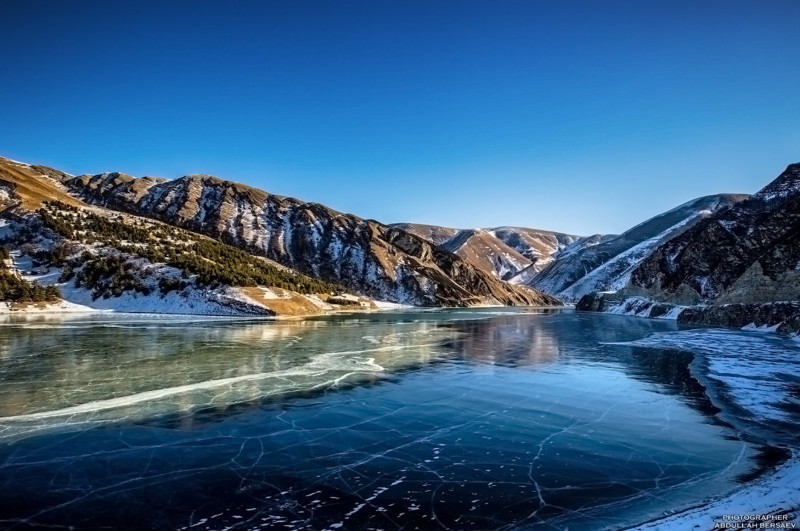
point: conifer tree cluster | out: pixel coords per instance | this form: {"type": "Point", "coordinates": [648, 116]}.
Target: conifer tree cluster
{"type": "Point", "coordinates": [212, 263]}
{"type": "Point", "coordinates": [16, 289]}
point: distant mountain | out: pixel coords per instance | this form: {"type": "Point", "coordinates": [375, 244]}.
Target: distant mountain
{"type": "Point", "coordinates": [432, 233]}
{"type": "Point", "coordinates": [738, 266]}
{"type": "Point", "coordinates": [365, 256]}
{"type": "Point", "coordinates": [564, 265]}
{"type": "Point", "coordinates": [605, 262]}
{"type": "Point", "coordinates": [509, 253]}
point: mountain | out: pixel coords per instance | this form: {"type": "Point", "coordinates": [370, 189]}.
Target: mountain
{"type": "Point", "coordinates": [605, 262]}
{"type": "Point", "coordinates": [433, 233]}
{"type": "Point", "coordinates": [749, 253]}
{"type": "Point", "coordinates": [564, 265]}
{"type": "Point", "coordinates": [363, 256]}
{"type": "Point", "coordinates": [509, 253]}
{"type": "Point", "coordinates": [738, 266]}
{"type": "Point", "coordinates": [58, 253]}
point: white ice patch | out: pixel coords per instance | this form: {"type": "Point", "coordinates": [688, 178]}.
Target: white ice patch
{"type": "Point", "coordinates": [673, 313]}
{"type": "Point", "coordinates": [321, 364]}
{"type": "Point", "coordinates": [757, 369]}
{"type": "Point", "coordinates": [384, 305]}
{"type": "Point", "coordinates": [752, 327]}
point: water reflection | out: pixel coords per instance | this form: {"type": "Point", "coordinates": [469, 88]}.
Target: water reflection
{"type": "Point", "coordinates": [59, 373]}
{"type": "Point", "coordinates": [64, 374]}
{"type": "Point", "coordinates": [481, 420]}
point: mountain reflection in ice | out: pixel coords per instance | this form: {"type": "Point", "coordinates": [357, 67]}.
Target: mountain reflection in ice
{"type": "Point", "coordinates": [60, 375]}
{"type": "Point", "coordinates": [461, 419]}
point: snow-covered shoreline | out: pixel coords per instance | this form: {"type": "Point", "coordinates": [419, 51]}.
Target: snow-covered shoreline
{"type": "Point", "coordinates": [22, 308]}
{"type": "Point", "coordinates": [776, 494]}
{"type": "Point", "coordinates": [70, 308]}
{"type": "Point", "coordinates": [751, 370]}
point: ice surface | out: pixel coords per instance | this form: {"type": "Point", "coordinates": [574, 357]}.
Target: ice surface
{"type": "Point", "coordinates": [757, 370]}
{"type": "Point", "coordinates": [760, 372]}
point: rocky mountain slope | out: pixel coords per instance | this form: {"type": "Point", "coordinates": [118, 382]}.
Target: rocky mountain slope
{"type": "Point", "coordinates": [364, 256]}
{"type": "Point", "coordinates": [738, 266]}
{"type": "Point", "coordinates": [60, 254]}
{"type": "Point", "coordinates": [514, 254]}
{"type": "Point", "coordinates": [749, 253]}
{"type": "Point", "coordinates": [605, 262]}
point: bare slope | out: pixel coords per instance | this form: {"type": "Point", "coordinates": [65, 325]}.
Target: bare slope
{"type": "Point", "coordinates": [29, 186]}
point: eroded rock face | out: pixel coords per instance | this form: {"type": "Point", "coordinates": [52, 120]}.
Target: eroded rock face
{"type": "Point", "coordinates": [363, 255]}
{"type": "Point", "coordinates": [638, 306]}
{"type": "Point", "coordinates": [748, 253]}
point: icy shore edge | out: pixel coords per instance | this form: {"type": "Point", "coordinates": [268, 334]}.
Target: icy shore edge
{"type": "Point", "coordinates": [776, 494]}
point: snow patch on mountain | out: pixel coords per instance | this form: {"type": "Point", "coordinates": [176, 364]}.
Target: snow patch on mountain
{"type": "Point", "coordinates": [606, 262]}
{"type": "Point", "coordinates": [615, 273]}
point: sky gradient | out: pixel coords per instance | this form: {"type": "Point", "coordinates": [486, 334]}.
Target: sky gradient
{"type": "Point", "coordinates": [582, 117]}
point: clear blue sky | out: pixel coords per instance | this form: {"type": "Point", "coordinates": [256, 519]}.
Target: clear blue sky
{"type": "Point", "coordinates": [579, 116]}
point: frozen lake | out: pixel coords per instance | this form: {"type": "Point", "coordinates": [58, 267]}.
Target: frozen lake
{"type": "Point", "coordinates": [450, 419]}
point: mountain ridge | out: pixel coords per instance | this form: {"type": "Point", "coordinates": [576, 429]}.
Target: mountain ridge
{"type": "Point", "coordinates": [719, 258]}
{"type": "Point", "coordinates": [373, 259]}
{"type": "Point", "coordinates": [505, 252]}
{"type": "Point", "coordinates": [740, 266]}
{"type": "Point", "coordinates": [603, 262]}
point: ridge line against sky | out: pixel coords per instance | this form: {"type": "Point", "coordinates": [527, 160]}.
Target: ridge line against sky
{"type": "Point", "coordinates": [579, 117]}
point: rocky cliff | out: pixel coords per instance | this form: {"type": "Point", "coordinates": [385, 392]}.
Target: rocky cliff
{"type": "Point", "coordinates": [748, 253]}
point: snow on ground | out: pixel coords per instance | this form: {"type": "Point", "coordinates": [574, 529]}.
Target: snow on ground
{"type": "Point", "coordinates": [752, 327]}
{"type": "Point", "coordinates": [615, 273]}
{"type": "Point", "coordinates": [59, 307]}
{"type": "Point", "coordinates": [382, 305]}
{"type": "Point", "coordinates": [198, 301]}
{"type": "Point", "coordinates": [189, 301]}
{"type": "Point", "coordinates": [319, 303]}
{"type": "Point", "coordinates": [6, 228]}
{"type": "Point", "coordinates": [192, 300]}
{"type": "Point", "coordinates": [642, 307]}
{"type": "Point", "coordinates": [673, 313]}
{"type": "Point", "coordinates": [269, 294]}
{"type": "Point", "coordinates": [776, 494]}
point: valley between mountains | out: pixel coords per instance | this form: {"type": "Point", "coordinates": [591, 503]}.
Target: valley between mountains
{"type": "Point", "coordinates": [203, 245]}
